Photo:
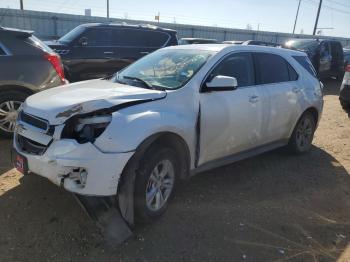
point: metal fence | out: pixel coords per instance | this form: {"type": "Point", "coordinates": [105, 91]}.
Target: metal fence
{"type": "Point", "coordinates": [53, 25]}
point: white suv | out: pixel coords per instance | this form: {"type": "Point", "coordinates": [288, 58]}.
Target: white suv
{"type": "Point", "coordinates": [176, 112]}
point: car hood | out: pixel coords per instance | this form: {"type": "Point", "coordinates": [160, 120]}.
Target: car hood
{"type": "Point", "coordinates": [61, 103]}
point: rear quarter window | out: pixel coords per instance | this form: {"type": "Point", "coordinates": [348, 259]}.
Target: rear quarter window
{"type": "Point", "coordinates": [34, 41]}
{"type": "Point", "coordinates": [305, 62]}
{"type": "Point", "coordinates": [271, 68]}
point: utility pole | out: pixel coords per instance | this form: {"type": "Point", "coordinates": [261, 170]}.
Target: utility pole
{"type": "Point", "coordinates": [318, 15]}
{"type": "Point", "coordinates": [21, 4]}
{"type": "Point", "coordinates": [296, 17]}
{"type": "Point", "coordinates": [107, 8]}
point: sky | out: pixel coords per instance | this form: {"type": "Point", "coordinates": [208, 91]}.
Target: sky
{"type": "Point", "coordinates": [266, 15]}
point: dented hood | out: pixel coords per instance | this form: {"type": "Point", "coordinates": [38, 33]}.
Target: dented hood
{"type": "Point", "coordinates": [60, 103]}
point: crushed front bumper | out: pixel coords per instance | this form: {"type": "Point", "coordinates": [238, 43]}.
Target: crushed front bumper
{"type": "Point", "coordinates": [79, 168]}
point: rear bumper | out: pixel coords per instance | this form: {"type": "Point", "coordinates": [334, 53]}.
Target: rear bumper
{"type": "Point", "coordinates": [79, 168]}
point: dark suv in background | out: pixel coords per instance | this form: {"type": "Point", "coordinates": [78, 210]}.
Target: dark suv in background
{"type": "Point", "coordinates": [326, 55]}
{"type": "Point", "coordinates": [26, 66]}
{"type": "Point", "coordinates": [98, 50]}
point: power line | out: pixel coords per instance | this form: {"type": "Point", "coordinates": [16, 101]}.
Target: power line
{"type": "Point", "coordinates": [328, 7]}
{"type": "Point", "coordinates": [338, 3]}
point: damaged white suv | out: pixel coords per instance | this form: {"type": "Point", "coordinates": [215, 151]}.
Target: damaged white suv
{"type": "Point", "coordinates": [173, 113]}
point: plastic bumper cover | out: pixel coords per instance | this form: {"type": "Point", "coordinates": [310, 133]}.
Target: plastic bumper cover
{"type": "Point", "coordinates": [64, 157]}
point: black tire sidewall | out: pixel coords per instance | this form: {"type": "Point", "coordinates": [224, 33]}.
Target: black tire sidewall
{"type": "Point", "coordinates": [11, 96]}
{"type": "Point", "coordinates": [152, 157]}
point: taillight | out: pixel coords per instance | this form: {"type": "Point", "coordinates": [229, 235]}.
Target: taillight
{"type": "Point", "coordinates": [347, 69]}
{"type": "Point", "coordinates": [55, 61]}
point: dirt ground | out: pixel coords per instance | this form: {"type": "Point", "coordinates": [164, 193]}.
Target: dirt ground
{"type": "Point", "coordinates": [274, 207]}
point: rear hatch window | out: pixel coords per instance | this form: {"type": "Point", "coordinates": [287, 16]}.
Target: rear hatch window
{"type": "Point", "coordinates": [34, 41]}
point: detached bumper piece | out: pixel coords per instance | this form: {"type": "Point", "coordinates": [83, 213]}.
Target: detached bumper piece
{"type": "Point", "coordinates": [107, 217]}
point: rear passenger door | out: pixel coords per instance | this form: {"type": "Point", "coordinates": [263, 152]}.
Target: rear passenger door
{"type": "Point", "coordinates": [277, 79]}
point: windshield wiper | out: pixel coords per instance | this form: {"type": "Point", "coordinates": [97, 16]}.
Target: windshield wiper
{"type": "Point", "coordinates": [139, 80]}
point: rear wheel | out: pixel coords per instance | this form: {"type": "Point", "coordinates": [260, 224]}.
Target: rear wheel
{"type": "Point", "coordinates": [10, 102]}
{"type": "Point", "coordinates": [155, 183]}
{"type": "Point", "coordinates": [303, 134]}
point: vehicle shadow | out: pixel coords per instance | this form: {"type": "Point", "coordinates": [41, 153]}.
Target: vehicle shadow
{"type": "Point", "coordinates": [266, 208]}
{"type": "Point", "coordinates": [331, 86]}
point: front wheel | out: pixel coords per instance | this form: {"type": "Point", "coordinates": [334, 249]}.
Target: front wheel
{"type": "Point", "coordinates": [155, 183]}
{"type": "Point", "coordinates": [303, 134]}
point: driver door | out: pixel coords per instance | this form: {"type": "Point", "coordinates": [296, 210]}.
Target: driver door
{"type": "Point", "coordinates": [325, 60]}
{"type": "Point", "coordinates": [231, 121]}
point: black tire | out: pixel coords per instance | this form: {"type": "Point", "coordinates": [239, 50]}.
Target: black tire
{"type": "Point", "coordinates": [345, 105]}
{"type": "Point", "coordinates": [11, 96]}
{"type": "Point", "coordinates": [152, 157]}
{"type": "Point", "coordinates": [301, 140]}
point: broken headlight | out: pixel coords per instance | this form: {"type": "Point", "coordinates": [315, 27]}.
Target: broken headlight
{"type": "Point", "coordinates": [86, 129]}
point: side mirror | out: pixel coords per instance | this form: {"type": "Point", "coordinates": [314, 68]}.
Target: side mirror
{"type": "Point", "coordinates": [83, 41]}
{"type": "Point", "coordinates": [222, 83]}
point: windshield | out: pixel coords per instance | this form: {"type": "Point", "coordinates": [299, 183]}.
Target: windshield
{"type": "Point", "coordinates": [164, 69]}
{"type": "Point", "coordinates": [302, 44]}
{"type": "Point", "coordinates": [72, 35]}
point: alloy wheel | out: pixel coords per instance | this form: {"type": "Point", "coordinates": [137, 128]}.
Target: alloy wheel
{"type": "Point", "coordinates": [8, 115]}
{"type": "Point", "coordinates": [304, 133]}
{"type": "Point", "coordinates": [160, 185]}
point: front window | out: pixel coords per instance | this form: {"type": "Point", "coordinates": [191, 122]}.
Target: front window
{"type": "Point", "coordinates": [72, 35]}
{"type": "Point", "coordinates": [164, 69]}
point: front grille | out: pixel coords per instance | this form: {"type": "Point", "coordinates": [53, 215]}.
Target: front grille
{"type": "Point", "coordinates": [29, 146]}
{"type": "Point", "coordinates": [34, 121]}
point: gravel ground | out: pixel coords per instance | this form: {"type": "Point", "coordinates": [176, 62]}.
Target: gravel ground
{"type": "Point", "coordinates": [274, 207]}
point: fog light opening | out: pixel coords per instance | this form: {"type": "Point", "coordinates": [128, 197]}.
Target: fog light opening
{"type": "Point", "coordinates": [79, 176]}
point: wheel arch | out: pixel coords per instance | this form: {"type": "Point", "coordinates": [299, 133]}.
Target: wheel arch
{"type": "Point", "coordinates": [314, 112]}
{"type": "Point", "coordinates": [169, 139]}
{"type": "Point", "coordinates": [125, 191]}
{"type": "Point", "coordinates": [18, 88]}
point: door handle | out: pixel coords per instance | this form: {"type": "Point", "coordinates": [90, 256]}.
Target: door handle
{"type": "Point", "coordinates": [144, 53]}
{"type": "Point", "coordinates": [108, 53]}
{"type": "Point", "coordinates": [296, 90]}
{"type": "Point", "coordinates": [253, 99]}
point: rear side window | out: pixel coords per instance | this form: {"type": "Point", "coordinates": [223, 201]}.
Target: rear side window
{"type": "Point", "coordinates": [305, 62]}
{"type": "Point", "coordinates": [98, 37]}
{"type": "Point", "coordinates": [140, 38]}
{"type": "Point", "coordinates": [271, 68]}
{"type": "Point", "coordinates": [34, 41]}
{"type": "Point", "coordinates": [238, 65]}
